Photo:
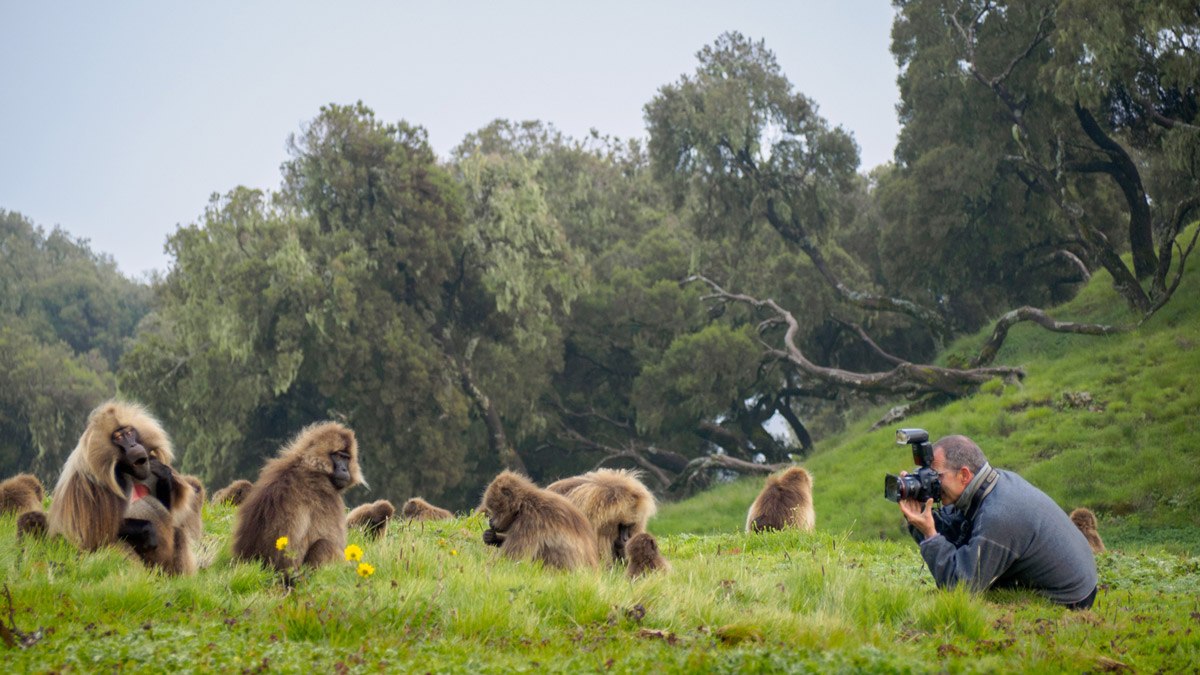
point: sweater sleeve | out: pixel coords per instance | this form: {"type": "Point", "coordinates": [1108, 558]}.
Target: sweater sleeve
{"type": "Point", "coordinates": [946, 521]}
{"type": "Point", "coordinates": [978, 563]}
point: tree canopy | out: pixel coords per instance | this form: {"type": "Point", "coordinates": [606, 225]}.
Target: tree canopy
{"type": "Point", "coordinates": [712, 298]}
{"type": "Point", "coordinates": [66, 316]}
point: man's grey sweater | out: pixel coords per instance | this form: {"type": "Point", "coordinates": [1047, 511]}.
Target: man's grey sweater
{"type": "Point", "coordinates": [1015, 537]}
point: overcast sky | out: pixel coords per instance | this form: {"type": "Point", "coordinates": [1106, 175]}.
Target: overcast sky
{"type": "Point", "coordinates": [118, 120]}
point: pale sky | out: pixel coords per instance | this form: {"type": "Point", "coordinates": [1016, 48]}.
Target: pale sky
{"type": "Point", "coordinates": [118, 120]}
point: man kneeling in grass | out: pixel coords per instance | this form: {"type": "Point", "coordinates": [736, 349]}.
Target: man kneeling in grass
{"type": "Point", "coordinates": [995, 530]}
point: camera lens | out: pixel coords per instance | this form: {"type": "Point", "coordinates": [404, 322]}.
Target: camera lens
{"type": "Point", "coordinates": [891, 487]}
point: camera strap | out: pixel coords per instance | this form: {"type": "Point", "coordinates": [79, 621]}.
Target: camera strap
{"type": "Point", "coordinates": [987, 482]}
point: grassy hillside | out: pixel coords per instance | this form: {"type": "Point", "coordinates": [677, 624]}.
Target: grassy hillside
{"type": "Point", "coordinates": [1109, 423]}
{"type": "Point", "coordinates": [441, 601]}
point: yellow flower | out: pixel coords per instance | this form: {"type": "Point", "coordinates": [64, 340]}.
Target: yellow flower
{"type": "Point", "coordinates": [453, 552]}
{"type": "Point", "coordinates": [365, 570]}
{"type": "Point", "coordinates": [353, 553]}
{"type": "Point", "coordinates": [281, 543]}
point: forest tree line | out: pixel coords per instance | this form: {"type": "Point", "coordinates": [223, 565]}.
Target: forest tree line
{"type": "Point", "coordinates": [553, 304]}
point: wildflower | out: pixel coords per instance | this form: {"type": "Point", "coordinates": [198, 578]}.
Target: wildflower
{"type": "Point", "coordinates": [453, 552]}
{"type": "Point", "coordinates": [365, 570]}
{"type": "Point", "coordinates": [353, 553]}
{"type": "Point", "coordinates": [281, 543]}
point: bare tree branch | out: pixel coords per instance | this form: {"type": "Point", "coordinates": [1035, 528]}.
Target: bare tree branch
{"type": "Point", "coordinates": [862, 335]}
{"type": "Point", "coordinates": [793, 231]}
{"type": "Point", "coordinates": [612, 453]}
{"type": "Point", "coordinates": [1159, 118]}
{"type": "Point", "coordinates": [497, 438]}
{"type": "Point", "coordinates": [1000, 332]}
{"type": "Point", "coordinates": [695, 476]}
{"type": "Point", "coordinates": [1170, 291]}
{"type": "Point", "coordinates": [726, 438]}
{"type": "Point", "coordinates": [905, 379]}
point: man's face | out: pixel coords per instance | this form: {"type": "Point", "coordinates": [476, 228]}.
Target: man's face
{"type": "Point", "coordinates": [954, 481]}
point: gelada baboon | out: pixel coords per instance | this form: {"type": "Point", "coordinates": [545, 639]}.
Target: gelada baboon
{"type": "Point", "coordinates": [31, 524]}
{"type": "Point", "coordinates": [785, 501]}
{"type": "Point", "coordinates": [563, 486]}
{"type": "Point", "coordinates": [527, 522]}
{"type": "Point", "coordinates": [234, 493]}
{"type": "Point", "coordinates": [419, 509]}
{"type": "Point", "coordinates": [614, 501]}
{"type": "Point", "coordinates": [161, 525]}
{"type": "Point", "coordinates": [105, 471]}
{"type": "Point", "coordinates": [1085, 520]}
{"type": "Point", "coordinates": [373, 517]}
{"type": "Point", "coordinates": [23, 492]}
{"type": "Point", "coordinates": [644, 557]}
{"type": "Point", "coordinates": [298, 495]}
{"type": "Point", "coordinates": [194, 520]}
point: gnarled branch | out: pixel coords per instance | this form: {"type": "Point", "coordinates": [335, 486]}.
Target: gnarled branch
{"type": "Point", "coordinates": [695, 476]}
{"type": "Point", "coordinates": [1000, 332]}
{"type": "Point", "coordinates": [907, 379]}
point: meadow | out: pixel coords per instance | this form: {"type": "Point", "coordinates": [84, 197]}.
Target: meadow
{"type": "Point", "coordinates": [1108, 423]}
{"type": "Point", "coordinates": [440, 601]}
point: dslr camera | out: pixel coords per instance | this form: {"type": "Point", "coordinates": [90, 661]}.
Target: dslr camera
{"type": "Point", "coordinates": [923, 483]}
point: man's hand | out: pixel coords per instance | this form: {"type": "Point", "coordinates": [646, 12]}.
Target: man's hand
{"type": "Point", "coordinates": [920, 516]}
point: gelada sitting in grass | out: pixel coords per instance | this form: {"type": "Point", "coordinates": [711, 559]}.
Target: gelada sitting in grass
{"type": "Point", "coordinates": [995, 530]}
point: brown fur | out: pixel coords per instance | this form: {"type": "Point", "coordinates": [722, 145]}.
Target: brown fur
{"type": "Point", "coordinates": [31, 524]}
{"type": "Point", "coordinates": [785, 501]}
{"type": "Point", "coordinates": [563, 486]}
{"type": "Point", "coordinates": [644, 556]}
{"type": "Point", "coordinates": [176, 523]}
{"type": "Point", "coordinates": [162, 552]}
{"type": "Point", "coordinates": [195, 516]}
{"type": "Point", "coordinates": [1085, 520]}
{"type": "Point", "coordinates": [89, 500]}
{"type": "Point", "coordinates": [295, 497]}
{"type": "Point", "coordinates": [373, 517]}
{"type": "Point", "coordinates": [23, 492]}
{"type": "Point", "coordinates": [419, 509]}
{"type": "Point", "coordinates": [234, 493]}
{"type": "Point", "coordinates": [615, 502]}
{"type": "Point", "coordinates": [529, 523]}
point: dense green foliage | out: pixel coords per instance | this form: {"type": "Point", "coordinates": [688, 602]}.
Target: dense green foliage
{"type": "Point", "coordinates": [66, 315]}
{"type": "Point", "coordinates": [1034, 129]}
{"type": "Point", "coordinates": [546, 303]}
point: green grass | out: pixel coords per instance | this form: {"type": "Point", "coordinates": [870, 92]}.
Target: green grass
{"type": "Point", "coordinates": [441, 601]}
{"type": "Point", "coordinates": [854, 596]}
{"type": "Point", "coordinates": [1131, 455]}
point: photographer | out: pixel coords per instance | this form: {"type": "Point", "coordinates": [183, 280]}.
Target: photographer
{"type": "Point", "coordinates": [995, 530]}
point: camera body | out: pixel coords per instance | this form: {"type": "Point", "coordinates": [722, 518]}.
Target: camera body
{"type": "Point", "coordinates": [923, 483]}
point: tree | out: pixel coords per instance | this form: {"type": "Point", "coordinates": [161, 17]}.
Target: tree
{"type": "Point", "coordinates": [46, 393]}
{"type": "Point", "coordinates": [738, 145]}
{"type": "Point", "coordinates": [518, 278]}
{"type": "Point", "coordinates": [65, 291]}
{"type": "Point", "coordinates": [316, 303]}
{"type": "Point", "coordinates": [1082, 109]}
{"type": "Point", "coordinates": [415, 302]}
{"type": "Point", "coordinates": [66, 316]}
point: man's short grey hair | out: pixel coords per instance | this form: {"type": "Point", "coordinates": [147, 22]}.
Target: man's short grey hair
{"type": "Point", "coordinates": [961, 451]}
